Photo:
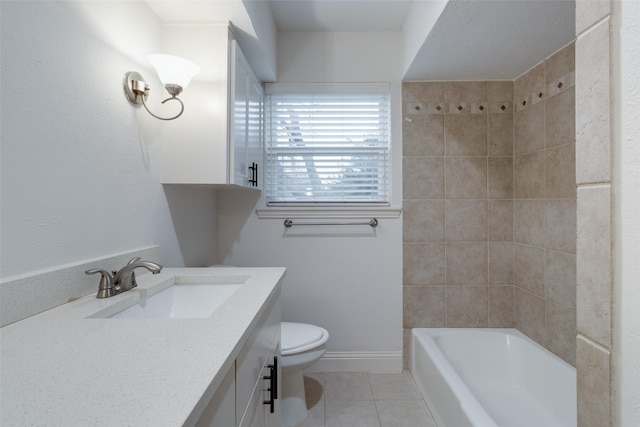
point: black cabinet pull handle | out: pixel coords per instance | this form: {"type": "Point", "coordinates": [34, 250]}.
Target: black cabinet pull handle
{"type": "Point", "coordinates": [275, 377]}
{"type": "Point", "coordinates": [254, 174]}
{"type": "Point", "coordinates": [273, 380]}
{"type": "Point", "coordinates": [255, 169]}
{"type": "Point", "coordinates": [273, 384]}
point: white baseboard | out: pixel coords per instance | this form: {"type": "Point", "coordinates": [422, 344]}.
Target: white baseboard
{"type": "Point", "coordinates": [359, 361]}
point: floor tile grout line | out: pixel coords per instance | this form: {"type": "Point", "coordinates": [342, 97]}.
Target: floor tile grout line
{"type": "Point", "coordinates": [404, 374]}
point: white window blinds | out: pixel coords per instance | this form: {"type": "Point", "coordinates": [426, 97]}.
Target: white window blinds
{"type": "Point", "coordinates": [327, 148]}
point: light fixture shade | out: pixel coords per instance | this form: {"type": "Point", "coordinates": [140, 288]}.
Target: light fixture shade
{"type": "Point", "coordinates": [173, 70]}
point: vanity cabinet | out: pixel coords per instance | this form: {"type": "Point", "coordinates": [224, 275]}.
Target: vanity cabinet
{"type": "Point", "coordinates": [218, 139]}
{"type": "Point", "coordinates": [258, 374]}
{"type": "Point", "coordinates": [249, 395]}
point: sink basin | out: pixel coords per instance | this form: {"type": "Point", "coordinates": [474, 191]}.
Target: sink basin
{"type": "Point", "coordinates": [181, 301]}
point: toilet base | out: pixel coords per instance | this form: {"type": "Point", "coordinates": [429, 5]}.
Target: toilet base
{"type": "Point", "coordinates": [294, 405]}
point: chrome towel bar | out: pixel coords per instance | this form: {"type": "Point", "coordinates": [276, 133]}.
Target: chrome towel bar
{"type": "Point", "coordinates": [288, 223]}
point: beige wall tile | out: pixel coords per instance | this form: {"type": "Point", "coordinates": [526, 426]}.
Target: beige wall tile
{"type": "Point", "coordinates": [530, 315]}
{"type": "Point", "coordinates": [500, 220]}
{"type": "Point", "coordinates": [406, 350]}
{"type": "Point", "coordinates": [421, 95]}
{"type": "Point", "coordinates": [529, 268]}
{"type": "Point", "coordinates": [528, 176]}
{"type": "Point", "coordinates": [423, 135]}
{"type": "Point", "coordinates": [530, 82]}
{"type": "Point", "coordinates": [455, 92]}
{"type": "Point", "coordinates": [465, 134]}
{"type": "Point", "coordinates": [560, 63]}
{"type": "Point", "coordinates": [423, 220]}
{"type": "Point", "coordinates": [560, 118]}
{"type": "Point", "coordinates": [500, 97]}
{"type": "Point", "coordinates": [500, 178]}
{"type": "Point", "coordinates": [500, 91]}
{"type": "Point", "coordinates": [501, 263]}
{"type": "Point", "coordinates": [528, 222]}
{"type": "Point", "coordinates": [593, 106]}
{"type": "Point", "coordinates": [560, 225]}
{"type": "Point", "coordinates": [501, 307]}
{"type": "Point", "coordinates": [594, 385]}
{"type": "Point", "coordinates": [529, 133]}
{"type": "Point", "coordinates": [561, 332]}
{"type": "Point", "coordinates": [466, 263]}
{"type": "Point", "coordinates": [466, 177]}
{"type": "Point", "coordinates": [593, 266]}
{"type": "Point", "coordinates": [423, 263]}
{"type": "Point", "coordinates": [423, 306]}
{"type": "Point", "coordinates": [561, 278]}
{"type": "Point", "coordinates": [467, 306]}
{"type": "Point", "coordinates": [485, 203]}
{"type": "Point", "coordinates": [500, 134]}
{"type": "Point", "coordinates": [423, 177]}
{"type": "Point", "coordinates": [588, 12]}
{"type": "Point", "coordinates": [466, 220]}
{"type": "Point", "coordinates": [560, 172]}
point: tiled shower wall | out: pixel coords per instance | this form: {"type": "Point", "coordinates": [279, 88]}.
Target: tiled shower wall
{"type": "Point", "coordinates": [458, 205]}
{"type": "Point", "coordinates": [598, 394]}
{"type": "Point", "coordinates": [489, 205]}
{"type": "Point", "coordinates": [545, 204]}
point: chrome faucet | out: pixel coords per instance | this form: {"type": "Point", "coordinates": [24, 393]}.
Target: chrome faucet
{"type": "Point", "coordinates": [124, 279]}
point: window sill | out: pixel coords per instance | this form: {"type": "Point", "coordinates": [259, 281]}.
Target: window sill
{"type": "Point", "coordinates": [328, 212]}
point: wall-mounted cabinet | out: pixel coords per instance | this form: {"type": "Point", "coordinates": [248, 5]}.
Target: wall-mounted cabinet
{"type": "Point", "coordinates": [218, 139]}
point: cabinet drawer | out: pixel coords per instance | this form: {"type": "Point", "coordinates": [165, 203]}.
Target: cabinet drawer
{"type": "Point", "coordinates": [255, 354]}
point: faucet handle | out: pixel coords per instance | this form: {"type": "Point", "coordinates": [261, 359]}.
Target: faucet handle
{"type": "Point", "coordinates": [106, 288]}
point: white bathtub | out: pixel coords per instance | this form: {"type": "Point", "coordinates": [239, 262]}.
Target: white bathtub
{"type": "Point", "coordinates": [492, 378]}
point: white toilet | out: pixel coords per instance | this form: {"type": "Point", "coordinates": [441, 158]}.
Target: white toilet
{"type": "Point", "coordinates": [301, 345]}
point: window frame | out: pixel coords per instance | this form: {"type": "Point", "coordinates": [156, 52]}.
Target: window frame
{"type": "Point", "coordinates": [347, 209]}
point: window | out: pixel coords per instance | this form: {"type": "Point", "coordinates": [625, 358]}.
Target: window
{"type": "Point", "coordinates": [327, 144]}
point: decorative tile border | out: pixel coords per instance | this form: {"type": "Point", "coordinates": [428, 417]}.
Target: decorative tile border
{"type": "Point", "coordinates": [563, 83]}
{"type": "Point", "coordinates": [500, 107]}
{"type": "Point", "coordinates": [476, 107]}
{"type": "Point", "coordinates": [549, 90]}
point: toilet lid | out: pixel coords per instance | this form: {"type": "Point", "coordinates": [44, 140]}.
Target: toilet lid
{"type": "Point", "coordinates": [298, 335]}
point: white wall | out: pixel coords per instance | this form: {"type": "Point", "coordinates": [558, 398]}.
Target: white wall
{"type": "Point", "coordinates": [263, 53]}
{"type": "Point", "coordinates": [351, 285]}
{"type": "Point", "coordinates": [81, 165]}
{"type": "Point", "coordinates": [421, 19]}
{"type": "Point", "coordinates": [627, 205]}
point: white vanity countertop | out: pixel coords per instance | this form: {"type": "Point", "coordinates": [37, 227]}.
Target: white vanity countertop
{"type": "Point", "coordinates": [60, 368]}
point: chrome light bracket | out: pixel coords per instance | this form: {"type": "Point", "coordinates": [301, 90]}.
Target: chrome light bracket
{"type": "Point", "coordinates": [137, 91]}
{"type": "Point", "coordinates": [135, 86]}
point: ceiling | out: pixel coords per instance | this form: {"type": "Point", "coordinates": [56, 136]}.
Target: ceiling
{"type": "Point", "coordinates": [493, 40]}
{"type": "Point", "coordinates": [471, 39]}
{"type": "Point", "coordinates": [340, 15]}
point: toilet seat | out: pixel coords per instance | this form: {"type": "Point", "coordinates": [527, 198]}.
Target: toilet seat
{"type": "Point", "coordinates": [299, 337]}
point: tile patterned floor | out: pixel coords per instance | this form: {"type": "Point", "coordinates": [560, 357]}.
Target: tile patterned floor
{"type": "Point", "coordinates": [364, 400]}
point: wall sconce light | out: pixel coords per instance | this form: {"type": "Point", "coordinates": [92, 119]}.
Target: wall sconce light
{"type": "Point", "coordinates": [174, 72]}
